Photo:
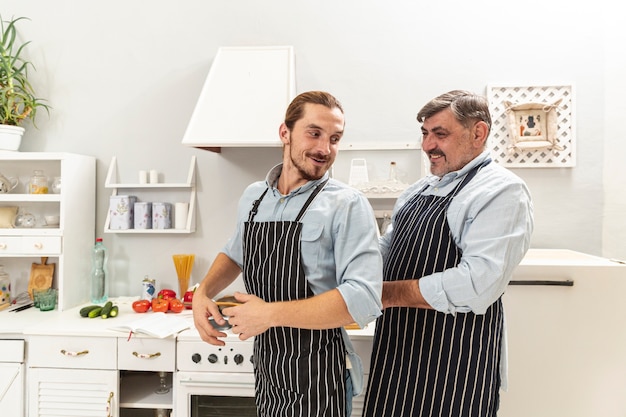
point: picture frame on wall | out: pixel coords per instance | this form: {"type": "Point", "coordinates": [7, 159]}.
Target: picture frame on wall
{"type": "Point", "coordinates": [545, 140]}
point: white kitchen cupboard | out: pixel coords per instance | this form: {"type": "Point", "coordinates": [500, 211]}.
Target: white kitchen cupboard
{"type": "Point", "coordinates": [140, 361]}
{"type": "Point", "coordinates": [72, 375]}
{"type": "Point", "coordinates": [163, 192]}
{"type": "Point", "coordinates": [67, 244]}
{"type": "Point", "coordinates": [566, 344]}
{"type": "Point", "coordinates": [12, 378]}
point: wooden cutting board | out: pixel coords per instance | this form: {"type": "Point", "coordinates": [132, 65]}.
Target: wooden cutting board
{"type": "Point", "coordinates": [40, 276]}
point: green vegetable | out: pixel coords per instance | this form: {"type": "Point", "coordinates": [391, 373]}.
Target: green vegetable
{"type": "Point", "coordinates": [94, 313]}
{"type": "Point", "coordinates": [114, 311]}
{"type": "Point", "coordinates": [84, 312]}
{"type": "Point", "coordinates": [106, 310]}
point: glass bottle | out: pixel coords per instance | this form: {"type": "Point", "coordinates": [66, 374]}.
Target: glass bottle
{"type": "Point", "coordinates": [393, 172]}
{"type": "Point", "coordinates": [38, 183]}
{"type": "Point", "coordinates": [99, 278]}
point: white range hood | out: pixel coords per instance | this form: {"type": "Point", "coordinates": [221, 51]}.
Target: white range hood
{"type": "Point", "coordinates": [244, 98]}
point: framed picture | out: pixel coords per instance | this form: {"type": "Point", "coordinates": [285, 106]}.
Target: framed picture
{"type": "Point", "coordinates": [532, 125]}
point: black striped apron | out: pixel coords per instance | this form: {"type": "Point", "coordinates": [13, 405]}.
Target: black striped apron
{"type": "Point", "coordinates": [298, 372]}
{"type": "Point", "coordinates": [426, 363]}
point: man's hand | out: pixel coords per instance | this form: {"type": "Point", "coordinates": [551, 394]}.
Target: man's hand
{"type": "Point", "coordinates": [251, 318]}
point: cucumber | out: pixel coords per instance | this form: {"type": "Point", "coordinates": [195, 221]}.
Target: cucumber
{"type": "Point", "coordinates": [84, 312]}
{"type": "Point", "coordinates": [104, 313]}
{"type": "Point", "coordinates": [114, 311]}
{"type": "Point", "coordinates": [94, 313]}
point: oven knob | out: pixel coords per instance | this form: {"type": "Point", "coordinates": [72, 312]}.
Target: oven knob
{"type": "Point", "coordinates": [238, 359]}
{"type": "Point", "coordinates": [196, 357]}
{"type": "Point", "coordinates": [213, 358]}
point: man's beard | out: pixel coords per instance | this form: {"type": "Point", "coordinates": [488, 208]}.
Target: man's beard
{"type": "Point", "coordinates": [316, 174]}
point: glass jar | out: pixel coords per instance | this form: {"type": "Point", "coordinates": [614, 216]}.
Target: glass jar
{"type": "Point", "coordinates": [5, 287]}
{"type": "Point", "coordinates": [56, 185]}
{"type": "Point", "coordinates": [38, 183]}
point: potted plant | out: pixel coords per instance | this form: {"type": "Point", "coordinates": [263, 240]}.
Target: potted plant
{"type": "Point", "coordinates": [18, 102]}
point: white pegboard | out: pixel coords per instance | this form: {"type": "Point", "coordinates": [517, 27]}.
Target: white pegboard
{"type": "Point", "coordinates": [500, 141]}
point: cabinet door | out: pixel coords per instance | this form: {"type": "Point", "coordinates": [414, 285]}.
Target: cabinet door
{"type": "Point", "coordinates": [70, 392]}
{"type": "Point", "coordinates": [12, 389]}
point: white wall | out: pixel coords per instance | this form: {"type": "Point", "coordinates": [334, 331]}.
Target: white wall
{"type": "Point", "coordinates": [123, 77]}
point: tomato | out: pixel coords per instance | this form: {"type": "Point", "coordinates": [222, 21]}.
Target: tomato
{"type": "Point", "coordinates": [187, 299]}
{"type": "Point", "coordinates": [167, 294]}
{"type": "Point", "coordinates": [141, 306]}
{"type": "Point", "coordinates": [160, 305]}
{"type": "Point", "coordinates": [176, 306]}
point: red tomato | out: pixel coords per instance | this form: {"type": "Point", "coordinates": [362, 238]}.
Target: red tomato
{"type": "Point", "coordinates": [141, 306]}
{"type": "Point", "coordinates": [167, 294]}
{"type": "Point", "coordinates": [160, 305]}
{"type": "Point", "coordinates": [187, 299]}
{"type": "Point", "coordinates": [176, 306]}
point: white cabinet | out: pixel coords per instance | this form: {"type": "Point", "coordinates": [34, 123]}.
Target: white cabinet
{"type": "Point", "coordinates": [142, 362]}
{"type": "Point", "coordinates": [72, 392]}
{"type": "Point", "coordinates": [566, 344]}
{"type": "Point", "coordinates": [171, 192]}
{"type": "Point", "coordinates": [12, 378]}
{"type": "Point", "coordinates": [72, 376]}
{"type": "Point", "coordinates": [67, 244]}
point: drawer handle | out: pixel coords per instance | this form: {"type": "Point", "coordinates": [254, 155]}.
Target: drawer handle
{"type": "Point", "coordinates": [109, 408]}
{"type": "Point", "coordinates": [68, 353]}
{"type": "Point", "coordinates": [3, 245]}
{"type": "Point", "coordinates": [38, 245]}
{"type": "Point", "coordinates": [146, 355]}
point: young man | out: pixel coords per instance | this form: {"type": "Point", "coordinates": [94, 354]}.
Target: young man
{"type": "Point", "coordinates": [307, 249]}
{"type": "Point", "coordinates": [455, 238]}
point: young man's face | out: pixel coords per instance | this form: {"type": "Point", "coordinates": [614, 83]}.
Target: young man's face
{"type": "Point", "coordinates": [312, 145]}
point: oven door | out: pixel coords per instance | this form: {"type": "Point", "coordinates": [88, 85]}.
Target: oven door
{"type": "Point", "coordinates": [212, 394]}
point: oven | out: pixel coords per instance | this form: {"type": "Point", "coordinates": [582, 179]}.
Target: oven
{"type": "Point", "coordinates": [214, 380]}
{"type": "Point", "coordinates": [219, 380]}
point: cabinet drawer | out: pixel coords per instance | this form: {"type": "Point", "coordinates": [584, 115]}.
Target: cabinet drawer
{"type": "Point", "coordinates": [72, 352]}
{"type": "Point", "coordinates": [41, 245]}
{"type": "Point", "coordinates": [30, 245]}
{"type": "Point", "coordinates": [10, 245]}
{"type": "Point", "coordinates": [145, 354]}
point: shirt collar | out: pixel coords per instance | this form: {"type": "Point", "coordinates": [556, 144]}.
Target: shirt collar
{"type": "Point", "coordinates": [272, 181]}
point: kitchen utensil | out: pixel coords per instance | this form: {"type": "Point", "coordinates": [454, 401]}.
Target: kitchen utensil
{"type": "Point", "coordinates": [40, 276]}
{"type": "Point", "coordinates": [7, 184]}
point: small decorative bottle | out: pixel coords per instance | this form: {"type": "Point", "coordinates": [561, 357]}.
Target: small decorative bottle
{"type": "Point", "coordinates": [99, 278]}
{"type": "Point", "coordinates": [393, 172]}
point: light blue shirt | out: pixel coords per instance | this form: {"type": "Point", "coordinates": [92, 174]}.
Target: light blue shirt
{"type": "Point", "coordinates": [339, 243]}
{"type": "Point", "coordinates": [491, 221]}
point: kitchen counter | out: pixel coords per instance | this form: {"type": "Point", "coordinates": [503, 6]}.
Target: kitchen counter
{"type": "Point", "coordinates": [537, 264]}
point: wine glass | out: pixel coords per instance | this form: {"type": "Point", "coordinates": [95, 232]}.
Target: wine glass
{"type": "Point", "coordinates": [163, 388]}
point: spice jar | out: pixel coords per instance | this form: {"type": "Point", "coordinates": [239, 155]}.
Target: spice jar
{"type": "Point", "coordinates": [38, 183]}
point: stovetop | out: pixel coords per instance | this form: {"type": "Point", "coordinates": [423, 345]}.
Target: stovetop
{"type": "Point", "coordinates": [194, 354]}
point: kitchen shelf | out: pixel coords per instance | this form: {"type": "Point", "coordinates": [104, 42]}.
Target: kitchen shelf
{"type": "Point", "coordinates": [137, 391]}
{"type": "Point", "coordinates": [112, 182]}
{"type": "Point", "coordinates": [66, 244]}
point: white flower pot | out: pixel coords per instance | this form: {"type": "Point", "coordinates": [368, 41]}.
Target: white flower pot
{"type": "Point", "coordinates": [10, 137]}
